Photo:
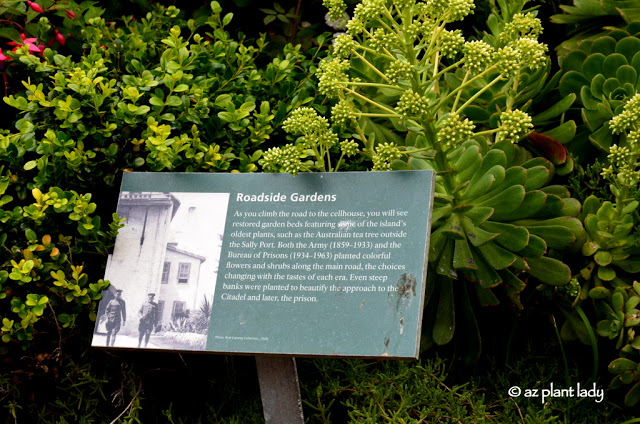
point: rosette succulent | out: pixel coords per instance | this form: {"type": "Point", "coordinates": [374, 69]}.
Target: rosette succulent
{"type": "Point", "coordinates": [496, 231]}
{"type": "Point", "coordinates": [622, 318]}
{"type": "Point", "coordinates": [612, 228]}
{"type": "Point", "coordinates": [603, 72]}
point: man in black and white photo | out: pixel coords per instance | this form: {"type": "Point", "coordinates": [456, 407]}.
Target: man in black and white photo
{"type": "Point", "coordinates": [116, 313]}
{"type": "Point", "coordinates": [148, 319]}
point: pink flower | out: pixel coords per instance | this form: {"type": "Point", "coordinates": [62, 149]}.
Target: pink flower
{"type": "Point", "coordinates": [35, 6]}
{"type": "Point", "coordinates": [33, 48]}
{"type": "Point", "coordinates": [70, 14]}
{"type": "Point", "coordinates": [60, 38]}
{"type": "Point", "coordinates": [3, 57]}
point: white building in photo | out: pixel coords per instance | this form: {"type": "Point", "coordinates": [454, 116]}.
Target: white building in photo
{"type": "Point", "coordinates": [178, 293]}
{"type": "Point", "coordinates": [170, 246]}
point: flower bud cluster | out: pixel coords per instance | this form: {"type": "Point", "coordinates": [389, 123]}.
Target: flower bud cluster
{"type": "Point", "coordinates": [412, 104]}
{"type": "Point", "coordinates": [478, 55]}
{"type": "Point", "coordinates": [363, 13]}
{"type": "Point", "coordinates": [451, 43]}
{"type": "Point", "coordinates": [343, 113]}
{"type": "Point", "coordinates": [349, 147]}
{"type": "Point", "coordinates": [398, 70]}
{"type": "Point", "coordinates": [454, 130]}
{"type": "Point", "coordinates": [305, 120]}
{"type": "Point", "coordinates": [533, 54]}
{"type": "Point", "coordinates": [336, 8]}
{"type": "Point", "coordinates": [343, 45]}
{"type": "Point", "coordinates": [435, 8]}
{"type": "Point", "coordinates": [629, 118]}
{"type": "Point", "coordinates": [326, 139]}
{"type": "Point", "coordinates": [623, 168]}
{"type": "Point", "coordinates": [368, 10]}
{"type": "Point", "coordinates": [380, 39]}
{"type": "Point", "coordinates": [523, 25]}
{"type": "Point", "coordinates": [508, 60]}
{"type": "Point", "coordinates": [282, 159]}
{"type": "Point", "coordinates": [515, 124]}
{"type": "Point", "coordinates": [332, 75]}
{"type": "Point", "coordinates": [459, 9]}
{"type": "Point", "coordinates": [385, 154]}
{"type": "Point", "coordinates": [624, 159]}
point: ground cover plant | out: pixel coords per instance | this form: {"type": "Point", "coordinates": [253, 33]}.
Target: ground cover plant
{"type": "Point", "coordinates": [534, 141]}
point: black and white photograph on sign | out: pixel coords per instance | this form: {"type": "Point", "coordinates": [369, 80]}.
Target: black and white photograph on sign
{"type": "Point", "coordinates": [162, 271]}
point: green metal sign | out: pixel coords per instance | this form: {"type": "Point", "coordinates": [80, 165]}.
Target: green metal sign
{"type": "Point", "coordinates": [317, 264]}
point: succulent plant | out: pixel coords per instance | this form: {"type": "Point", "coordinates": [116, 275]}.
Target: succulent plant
{"type": "Point", "coordinates": [611, 247]}
{"type": "Point", "coordinates": [590, 13]}
{"type": "Point", "coordinates": [496, 230]}
{"type": "Point", "coordinates": [622, 318]}
{"type": "Point", "coordinates": [603, 73]}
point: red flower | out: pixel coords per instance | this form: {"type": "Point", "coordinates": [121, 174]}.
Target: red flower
{"type": "Point", "coordinates": [28, 42]}
{"type": "Point", "coordinates": [70, 14]}
{"type": "Point", "coordinates": [60, 38]}
{"type": "Point", "coordinates": [35, 6]}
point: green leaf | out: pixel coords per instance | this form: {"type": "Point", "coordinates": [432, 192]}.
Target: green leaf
{"type": "Point", "coordinates": [227, 19]}
{"type": "Point", "coordinates": [556, 236]}
{"type": "Point", "coordinates": [592, 65]}
{"type": "Point", "coordinates": [477, 236]}
{"type": "Point", "coordinates": [30, 165]}
{"type": "Point", "coordinates": [462, 257]}
{"type": "Point", "coordinates": [510, 236]}
{"type": "Point", "coordinates": [555, 110]}
{"type": "Point", "coordinates": [572, 82]}
{"type": "Point", "coordinates": [605, 45]}
{"type": "Point", "coordinates": [12, 34]}
{"type": "Point", "coordinates": [573, 61]}
{"type": "Point", "coordinates": [496, 256]}
{"type": "Point", "coordinates": [620, 365]}
{"type": "Point", "coordinates": [444, 325]}
{"type": "Point", "coordinates": [606, 273]}
{"type": "Point", "coordinates": [633, 395]}
{"type": "Point", "coordinates": [174, 101]}
{"type": "Point", "coordinates": [507, 201]}
{"type": "Point", "coordinates": [549, 270]}
{"type": "Point", "coordinates": [480, 186]}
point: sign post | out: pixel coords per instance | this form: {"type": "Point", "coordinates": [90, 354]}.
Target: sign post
{"type": "Point", "coordinates": [323, 265]}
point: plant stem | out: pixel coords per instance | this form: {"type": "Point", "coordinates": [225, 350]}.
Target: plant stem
{"type": "Point", "coordinates": [479, 93]}
{"type": "Point", "coordinates": [373, 68]}
{"type": "Point", "coordinates": [391, 111]}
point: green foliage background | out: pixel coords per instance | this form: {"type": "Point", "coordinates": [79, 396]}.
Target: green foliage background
{"type": "Point", "coordinates": [546, 229]}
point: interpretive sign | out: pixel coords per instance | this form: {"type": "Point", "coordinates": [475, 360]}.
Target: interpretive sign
{"type": "Point", "coordinates": [315, 264]}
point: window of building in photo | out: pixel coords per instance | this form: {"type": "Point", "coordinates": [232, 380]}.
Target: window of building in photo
{"type": "Point", "coordinates": [184, 270]}
{"type": "Point", "coordinates": [165, 272]}
{"type": "Point", "coordinates": [179, 310]}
